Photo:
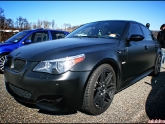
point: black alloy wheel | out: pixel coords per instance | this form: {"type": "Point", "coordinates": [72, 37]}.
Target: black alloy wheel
{"type": "Point", "coordinates": [157, 66]}
{"type": "Point", "coordinates": [100, 90]}
{"type": "Point", "coordinates": [2, 61]}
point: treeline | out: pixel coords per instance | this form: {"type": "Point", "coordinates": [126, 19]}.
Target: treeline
{"type": "Point", "coordinates": [22, 23]}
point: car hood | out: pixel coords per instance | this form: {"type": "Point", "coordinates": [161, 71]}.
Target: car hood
{"type": "Point", "coordinates": [5, 44]}
{"type": "Point", "coordinates": [63, 47]}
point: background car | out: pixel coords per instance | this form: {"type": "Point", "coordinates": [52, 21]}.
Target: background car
{"type": "Point", "coordinates": [84, 70]}
{"type": "Point", "coordinates": [27, 37]}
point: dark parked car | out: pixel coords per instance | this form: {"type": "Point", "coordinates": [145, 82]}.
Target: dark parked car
{"type": "Point", "coordinates": [27, 37]}
{"type": "Point", "coordinates": [84, 70]}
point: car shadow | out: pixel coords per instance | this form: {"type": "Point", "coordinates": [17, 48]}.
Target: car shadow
{"type": "Point", "coordinates": [155, 103]}
{"type": "Point", "coordinates": [45, 111]}
{"type": "Point", "coordinates": [56, 113]}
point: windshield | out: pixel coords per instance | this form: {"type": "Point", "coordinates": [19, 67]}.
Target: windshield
{"type": "Point", "coordinates": [17, 37]}
{"type": "Point", "coordinates": [101, 29]}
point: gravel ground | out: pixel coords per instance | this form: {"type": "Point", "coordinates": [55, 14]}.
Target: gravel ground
{"type": "Point", "coordinates": [137, 104]}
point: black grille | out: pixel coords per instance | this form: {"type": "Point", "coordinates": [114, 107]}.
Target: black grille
{"type": "Point", "coordinates": [15, 64]}
{"type": "Point", "coordinates": [20, 92]}
{"type": "Point", "coordinates": [18, 65]}
{"type": "Point", "coordinates": [8, 62]}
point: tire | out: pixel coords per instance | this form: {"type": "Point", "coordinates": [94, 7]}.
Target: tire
{"type": "Point", "coordinates": [2, 61]}
{"type": "Point", "coordinates": [100, 90]}
{"type": "Point", "coordinates": [157, 66]}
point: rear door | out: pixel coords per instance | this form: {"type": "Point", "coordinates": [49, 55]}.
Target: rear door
{"type": "Point", "coordinates": [57, 35]}
{"type": "Point", "coordinates": [151, 44]}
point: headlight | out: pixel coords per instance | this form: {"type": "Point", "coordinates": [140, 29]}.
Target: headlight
{"type": "Point", "coordinates": [58, 66]}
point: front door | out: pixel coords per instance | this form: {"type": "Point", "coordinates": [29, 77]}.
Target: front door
{"type": "Point", "coordinates": [137, 53]}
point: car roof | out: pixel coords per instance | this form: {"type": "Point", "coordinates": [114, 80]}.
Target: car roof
{"type": "Point", "coordinates": [129, 21]}
{"type": "Point", "coordinates": [44, 29]}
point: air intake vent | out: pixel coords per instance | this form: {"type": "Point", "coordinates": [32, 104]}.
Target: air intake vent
{"type": "Point", "coordinates": [20, 92]}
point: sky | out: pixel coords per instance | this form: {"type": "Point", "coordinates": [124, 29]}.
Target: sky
{"type": "Point", "coordinates": [81, 12]}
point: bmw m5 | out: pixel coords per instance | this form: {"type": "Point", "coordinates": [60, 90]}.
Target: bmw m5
{"type": "Point", "coordinates": [84, 70]}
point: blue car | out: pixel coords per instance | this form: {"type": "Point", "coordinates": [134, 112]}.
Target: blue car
{"type": "Point", "coordinates": [27, 37]}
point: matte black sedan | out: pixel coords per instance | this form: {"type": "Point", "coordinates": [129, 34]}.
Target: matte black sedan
{"type": "Point", "coordinates": [84, 70]}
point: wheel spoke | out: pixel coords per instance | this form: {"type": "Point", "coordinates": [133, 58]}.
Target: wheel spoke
{"type": "Point", "coordinates": [109, 89]}
{"type": "Point", "coordinates": [158, 68]}
{"type": "Point", "coordinates": [2, 60]}
{"type": "Point", "coordinates": [97, 88]}
{"type": "Point", "coordinates": [97, 97]}
{"type": "Point", "coordinates": [107, 97]}
{"type": "Point", "coordinates": [101, 102]}
{"type": "Point", "coordinates": [102, 77]}
{"type": "Point", "coordinates": [110, 84]}
{"type": "Point", "coordinates": [108, 78]}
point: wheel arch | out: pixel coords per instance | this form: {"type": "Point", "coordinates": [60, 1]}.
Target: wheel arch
{"type": "Point", "coordinates": [109, 61]}
{"type": "Point", "coordinates": [4, 53]}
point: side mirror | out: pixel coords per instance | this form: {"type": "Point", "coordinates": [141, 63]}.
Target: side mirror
{"type": "Point", "coordinates": [27, 42]}
{"type": "Point", "coordinates": [135, 37]}
{"type": "Point", "coordinates": [59, 37]}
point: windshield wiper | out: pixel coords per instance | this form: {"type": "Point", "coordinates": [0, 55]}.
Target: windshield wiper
{"type": "Point", "coordinates": [87, 36]}
{"type": "Point", "coordinates": [91, 36]}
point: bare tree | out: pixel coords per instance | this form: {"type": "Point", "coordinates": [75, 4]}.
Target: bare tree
{"type": "Point", "coordinates": [53, 24]}
{"type": "Point", "coordinates": [22, 24]}
{"type": "Point", "coordinates": [39, 24]}
{"type": "Point", "coordinates": [2, 23]}
{"type": "Point", "coordinates": [19, 23]}
{"type": "Point", "coordinates": [67, 26]}
{"type": "Point", "coordinates": [31, 25]}
{"type": "Point", "coordinates": [26, 24]}
{"type": "Point", "coordinates": [2, 18]}
{"type": "Point", "coordinates": [10, 23]}
{"type": "Point", "coordinates": [34, 25]}
{"type": "Point", "coordinates": [46, 24]}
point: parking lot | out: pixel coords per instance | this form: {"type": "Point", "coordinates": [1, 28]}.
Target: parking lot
{"type": "Point", "coordinates": [140, 102]}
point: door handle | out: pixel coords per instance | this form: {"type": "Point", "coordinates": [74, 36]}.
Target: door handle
{"type": "Point", "coordinates": [156, 46]}
{"type": "Point", "coordinates": [146, 47]}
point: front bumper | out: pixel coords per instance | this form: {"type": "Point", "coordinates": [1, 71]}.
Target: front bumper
{"type": "Point", "coordinates": [62, 92]}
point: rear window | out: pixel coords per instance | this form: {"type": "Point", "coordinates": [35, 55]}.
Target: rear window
{"type": "Point", "coordinates": [57, 35]}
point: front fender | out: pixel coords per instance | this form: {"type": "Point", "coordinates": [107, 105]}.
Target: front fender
{"type": "Point", "coordinates": [93, 59]}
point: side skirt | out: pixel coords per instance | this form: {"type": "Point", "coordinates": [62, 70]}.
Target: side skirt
{"type": "Point", "coordinates": [135, 79]}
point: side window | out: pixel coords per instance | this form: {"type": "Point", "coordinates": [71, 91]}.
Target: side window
{"type": "Point", "coordinates": [134, 29]}
{"type": "Point", "coordinates": [147, 33]}
{"type": "Point", "coordinates": [57, 35]}
{"type": "Point", "coordinates": [38, 36]}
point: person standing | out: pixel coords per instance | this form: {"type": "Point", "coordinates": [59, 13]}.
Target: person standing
{"type": "Point", "coordinates": [161, 39]}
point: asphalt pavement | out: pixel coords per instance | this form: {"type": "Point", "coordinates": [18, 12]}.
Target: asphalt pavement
{"type": "Point", "coordinates": [139, 103]}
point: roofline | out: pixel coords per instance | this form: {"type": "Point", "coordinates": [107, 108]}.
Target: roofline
{"type": "Point", "coordinates": [44, 29]}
